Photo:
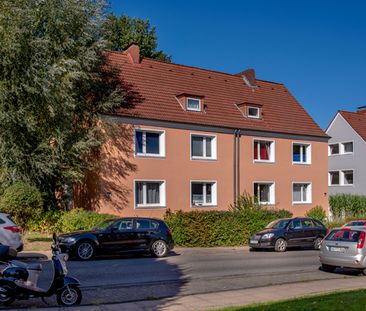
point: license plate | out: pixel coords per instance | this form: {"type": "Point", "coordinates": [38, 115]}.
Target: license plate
{"type": "Point", "coordinates": [337, 249]}
{"type": "Point", "coordinates": [253, 242]}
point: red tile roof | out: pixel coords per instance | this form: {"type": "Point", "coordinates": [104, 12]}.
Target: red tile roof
{"type": "Point", "coordinates": [159, 83]}
{"type": "Point", "coordinates": [357, 120]}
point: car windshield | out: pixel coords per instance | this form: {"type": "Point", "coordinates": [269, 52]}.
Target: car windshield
{"type": "Point", "coordinates": [104, 225]}
{"type": "Point", "coordinates": [278, 224]}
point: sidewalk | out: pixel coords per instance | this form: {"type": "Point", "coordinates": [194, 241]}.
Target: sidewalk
{"type": "Point", "coordinates": [233, 298]}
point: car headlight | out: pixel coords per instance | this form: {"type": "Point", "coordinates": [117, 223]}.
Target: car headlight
{"type": "Point", "coordinates": [267, 236]}
{"type": "Point", "coordinates": [69, 240]}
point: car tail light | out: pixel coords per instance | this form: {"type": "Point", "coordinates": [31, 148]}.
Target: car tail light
{"type": "Point", "coordinates": [13, 229]}
{"type": "Point", "coordinates": [361, 240]}
{"type": "Point", "coordinates": [170, 232]}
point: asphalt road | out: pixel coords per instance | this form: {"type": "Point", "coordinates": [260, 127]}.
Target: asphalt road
{"type": "Point", "coordinates": [188, 271]}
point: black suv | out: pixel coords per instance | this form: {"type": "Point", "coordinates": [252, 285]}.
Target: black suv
{"type": "Point", "coordinates": [124, 235]}
{"type": "Point", "coordinates": [288, 232]}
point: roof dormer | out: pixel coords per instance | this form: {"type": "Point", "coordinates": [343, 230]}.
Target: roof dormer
{"type": "Point", "coordinates": [250, 110]}
{"type": "Point", "coordinates": [190, 102]}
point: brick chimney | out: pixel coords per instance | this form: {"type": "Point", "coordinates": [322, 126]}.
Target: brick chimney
{"type": "Point", "coordinates": [133, 52]}
{"type": "Point", "coordinates": [361, 110]}
{"type": "Point", "coordinates": [248, 77]}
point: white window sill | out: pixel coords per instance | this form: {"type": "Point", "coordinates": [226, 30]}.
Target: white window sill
{"type": "Point", "coordinates": [264, 161]}
{"type": "Point", "coordinates": [301, 203]}
{"type": "Point", "coordinates": [266, 203]}
{"type": "Point", "coordinates": [202, 159]}
{"type": "Point", "coordinates": [203, 206]}
{"type": "Point", "coordinates": [349, 185]}
{"type": "Point", "coordinates": [301, 163]}
{"type": "Point", "coordinates": [150, 155]}
{"type": "Point", "coordinates": [150, 206]}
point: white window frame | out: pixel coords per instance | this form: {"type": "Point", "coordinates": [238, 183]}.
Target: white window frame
{"type": "Point", "coordinates": [341, 178]}
{"type": "Point", "coordinates": [309, 193]}
{"type": "Point", "coordinates": [213, 147]}
{"type": "Point", "coordinates": [272, 192]}
{"type": "Point", "coordinates": [272, 151]}
{"type": "Point", "coordinates": [257, 116]}
{"type": "Point", "coordinates": [161, 153]}
{"type": "Point", "coordinates": [308, 153]}
{"type": "Point", "coordinates": [162, 194]}
{"type": "Point", "coordinates": [330, 179]}
{"type": "Point", "coordinates": [341, 147]}
{"type": "Point", "coordinates": [214, 193]}
{"type": "Point", "coordinates": [196, 99]}
{"type": "Point", "coordinates": [335, 154]}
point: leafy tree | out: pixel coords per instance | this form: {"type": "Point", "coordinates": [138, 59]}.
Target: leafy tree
{"type": "Point", "coordinates": [53, 87]}
{"type": "Point", "coordinates": [124, 30]}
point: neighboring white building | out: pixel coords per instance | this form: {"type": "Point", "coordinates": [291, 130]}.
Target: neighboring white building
{"type": "Point", "coordinates": [347, 152]}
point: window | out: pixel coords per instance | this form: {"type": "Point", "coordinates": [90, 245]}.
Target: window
{"type": "Point", "coordinates": [295, 224]}
{"type": "Point", "coordinates": [264, 193]}
{"type": "Point", "coordinates": [146, 224]}
{"type": "Point", "coordinates": [149, 143]}
{"type": "Point", "coordinates": [307, 223]}
{"type": "Point", "coordinates": [203, 147]}
{"type": "Point", "coordinates": [264, 151]}
{"type": "Point", "coordinates": [301, 193]}
{"type": "Point", "coordinates": [124, 224]}
{"type": "Point", "coordinates": [203, 194]}
{"type": "Point", "coordinates": [347, 147]}
{"type": "Point", "coordinates": [341, 178]}
{"type": "Point", "coordinates": [193, 104]}
{"type": "Point", "coordinates": [334, 149]}
{"type": "Point", "coordinates": [347, 177]}
{"type": "Point", "coordinates": [150, 194]}
{"type": "Point", "coordinates": [254, 112]}
{"type": "Point", "coordinates": [301, 153]}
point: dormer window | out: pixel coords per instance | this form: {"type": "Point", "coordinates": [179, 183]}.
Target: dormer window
{"type": "Point", "coordinates": [254, 112]}
{"type": "Point", "coordinates": [193, 104]}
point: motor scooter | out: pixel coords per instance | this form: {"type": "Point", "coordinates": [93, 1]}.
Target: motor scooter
{"type": "Point", "coordinates": [18, 281]}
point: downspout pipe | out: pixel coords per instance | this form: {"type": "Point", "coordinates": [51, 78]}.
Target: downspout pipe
{"type": "Point", "coordinates": [235, 170]}
{"type": "Point", "coordinates": [238, 163]}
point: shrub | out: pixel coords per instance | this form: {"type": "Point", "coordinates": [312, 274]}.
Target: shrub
{"type": "Point", "coordinates": [46, 222]}
{"type": "Point", "coordinates": [22, 201]}
{"type": "Point", "coordinates": [317, 212]}
{"type": "Point", "coordinates": [219, 228]}
{"type": "Point", "coordinates": [347, 205]}
{"type": "Point", "coordinates": [80, 219]}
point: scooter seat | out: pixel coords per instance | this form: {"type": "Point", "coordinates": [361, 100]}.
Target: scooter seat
{"type": "Point", "coordinates": [35, 266]}
{"type": "Point", "coordinates": [30, 286]}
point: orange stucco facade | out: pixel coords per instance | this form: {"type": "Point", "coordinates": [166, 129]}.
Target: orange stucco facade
{"type": "Point", "coordinates": [121, 168]}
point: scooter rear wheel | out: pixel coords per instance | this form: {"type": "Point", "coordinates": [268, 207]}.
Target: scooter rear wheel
{"type": "Point", "coordinates": [5, 299]}
{"type": "Point", "coordinates": [69, 296]}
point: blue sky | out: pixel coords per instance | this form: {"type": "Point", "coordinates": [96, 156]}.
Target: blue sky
{"type": "Point", "coordinates": [316, 48]}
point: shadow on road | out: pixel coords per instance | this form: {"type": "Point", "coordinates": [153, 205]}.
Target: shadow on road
{"type": "Point", "coordinates": [117, 279]}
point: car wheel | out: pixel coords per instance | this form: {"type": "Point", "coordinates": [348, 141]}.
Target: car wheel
{"type": "Point", "coordinates": [85, 250]}
{"type": "Point", "coordinates": [280, 245]}
{"type": "Point", "coordinates": [69, 296]}
{"type": "Point", "coordinates": [5, 298]}
{"type": "Point", "coordinates": [318, 243]}
{"type": "Point", "coordinates": [159, 248]}
{"type": "Point", "coordinates": [328, 268]}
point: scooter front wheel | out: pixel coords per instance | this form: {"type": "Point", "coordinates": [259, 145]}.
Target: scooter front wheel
{"type": "Point", "coordinates": [5, 298]}
{"type": "Point", "coordinates": [69, 296]}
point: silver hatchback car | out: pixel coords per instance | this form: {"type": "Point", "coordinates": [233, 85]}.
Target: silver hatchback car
{"type": "Point", "coordinates": [10, 233]}
{"type": "Point", "coordinates": [344, 247]}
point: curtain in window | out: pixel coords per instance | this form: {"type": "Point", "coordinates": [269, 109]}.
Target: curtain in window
{"type": "Point", "coordinates": [208, 193]}
{"type": "Point", "coordinates": [139, 193]}
{"type": "Point", "coordinates": [264, 193]}
{"type": "Point", "coordinates": [264, 150]}
{"type": "Point", "coordinates": [256, 150]}
{"type": "Point", "coordinates": [297, 193]}
{"type": "Point", "coordinates": [152, 193]}
{"type": "Point", "coordinates": [296, 153]}
{"type": "Point", "coordinates": [208, 147]}
{"type": "Point", "coordinates": [197, 193]}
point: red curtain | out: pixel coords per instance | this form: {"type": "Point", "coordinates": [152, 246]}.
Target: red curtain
{"type": "Point", "coordinates": [264, 151]}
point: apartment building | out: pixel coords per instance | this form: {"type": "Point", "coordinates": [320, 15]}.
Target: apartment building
{"type": "Point", "coordinates": [200, 138]}
{"type": "Point", "coordinates": [347, 152]}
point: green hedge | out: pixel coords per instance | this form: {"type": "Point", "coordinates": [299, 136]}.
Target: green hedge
{"type": "Point", "coordinates": [219, 228]}
{"type": "Point", "coordinates": [59, 221]}
{"type": "Point", "coordinates": [347, 205]}
{"type": "Point", "coordinates": [317, 212]}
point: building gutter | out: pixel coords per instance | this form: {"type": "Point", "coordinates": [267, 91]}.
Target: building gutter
{"type": "Point", "coordinates": [235, 168]}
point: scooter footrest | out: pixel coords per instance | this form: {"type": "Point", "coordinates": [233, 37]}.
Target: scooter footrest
{"type": "Point", "coordinates": [30, 287]}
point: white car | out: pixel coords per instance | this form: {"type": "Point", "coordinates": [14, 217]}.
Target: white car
{"type": "Point", "coordinates": [10, 233]}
